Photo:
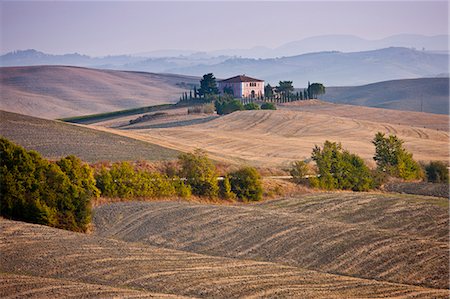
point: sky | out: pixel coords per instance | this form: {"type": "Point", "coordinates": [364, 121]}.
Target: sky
{"type": "Point", "coordinates": [122, 27]}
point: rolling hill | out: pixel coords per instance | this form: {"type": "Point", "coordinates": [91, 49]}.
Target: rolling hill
{"type": "Point", "coordinates": [56, 139]}
{"type": "Point", "coordinates": [423, 95]}
{"type": "Point", "coordinates": [61, 91]}
{"type": "Point", "coordinates": [277, 138]}
{"type": "Point", "coordinates": [359, 235]}
{"type": "Point", "coordinates": [132, 251]}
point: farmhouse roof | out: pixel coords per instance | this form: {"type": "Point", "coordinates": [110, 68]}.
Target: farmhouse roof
{"type": "Point", "coordinates": [241, 78]}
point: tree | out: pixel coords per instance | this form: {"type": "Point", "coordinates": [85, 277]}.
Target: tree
{"type": "Point", "coordinates": [246, 184]}
{"type": "Point", "coordinates": [437, 172]}
{"type": "Point", "coordinates": [228, 90]}
{"type": "Point", "coordinates": [340, 169]}
{"type": "Point", "coordinates": [316, 89]}
{"type": "Point", "coordinates": [285, 88]}
{"type": "Point", "coordinates": [35, 190]}
{"type": "Point", "coordinates": [200, 173]}
{"type": "Point", "coordinates": [298, 171]}
{"type": "Point", "coordinates": [225, 189]}
{"type": "Point", "coordinates": [208, 85]}
{"type": "Point", "coordinates": [268, 91]}
{"type": "Point", "coordinates": [391, 157]}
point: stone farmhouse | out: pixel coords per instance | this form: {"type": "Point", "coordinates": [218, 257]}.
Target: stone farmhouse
{"type": "Point", "coordinates": [243, 87]}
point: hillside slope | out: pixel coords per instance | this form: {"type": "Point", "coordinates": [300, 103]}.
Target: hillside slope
{"type": "Point", "coordinates": [61, 91]}
{"type": "Point", "coordinates": [359, 235]}
{"type": "Point", "coordinates": [425, 94]}
{"type": "Point", "coordinates": [277, 138]}
{"type": "Point", "coordinates": [44, 253]}
{"type": "Point", "coordinates": [55, 139]}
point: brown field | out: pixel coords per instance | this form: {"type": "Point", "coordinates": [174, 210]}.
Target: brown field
{"type": "Point", "coordinates": [94, 266]}
{"type": "Point", "coordinates": [61, 91]}
{"type": "Point", "coordinates": [400, 239]}
{"type": "Point", "coordinates": [55, 139]}
{"type": "Point", "coordinates": [396, 117]}
{"type": "Point", "coordinates": [276, 138]}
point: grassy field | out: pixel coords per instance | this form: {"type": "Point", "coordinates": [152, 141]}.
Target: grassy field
{"type": "Point", "coordinates": [276, 138]}
{"type": "Point", "coordinates": [55, 139]}
{"type": "Point", "coordinates": [394, 238]}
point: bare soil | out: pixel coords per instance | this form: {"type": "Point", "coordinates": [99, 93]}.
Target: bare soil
{"type": "Point", "coordinates": [46, 253]}
{"type": "Point", "coordinates": [395, 238]}
{"type": "Point", "coordinates": [55, 139]}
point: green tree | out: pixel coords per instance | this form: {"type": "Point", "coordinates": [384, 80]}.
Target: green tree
{"type": "Point", "coordinates": [246, 184]}
{"type": "Point", "coordinates": [285, 88]}
{"type": "Point", "coordinates": [298, 171]}
{"type": "Point", "coordinates": [391, 157]}
{"type": "Point", "coordinates": [339, 169]}
{"type": "Point", "coordinates": [225, 189]}
{"type": "Point", "coordinates": [316, 89]}
{"type": "Point", "coordinates": [208, 85]}
{"type": "Point", "coordinates": [200, 173]}
{"type": "Point", "coordinates": [228, 90]}
{"type": "Point", "coordinates": [268, 91]}
{"type": "Point", "coordinates": [437, 172]}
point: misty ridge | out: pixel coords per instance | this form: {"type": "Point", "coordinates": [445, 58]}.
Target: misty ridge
{"type": "Point", "coordinates": [335, 60]}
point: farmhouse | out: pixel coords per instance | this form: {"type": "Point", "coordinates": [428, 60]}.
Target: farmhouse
{"type": "Point", "coordinates": [242, 87]}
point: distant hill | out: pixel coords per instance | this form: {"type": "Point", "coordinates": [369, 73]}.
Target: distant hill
{"type": "Point", "coordinates": [333, 68]}
{"type": "Point", "coordinates": [55, 139]}
{"type": "Point", "coordinates": [62, 91]}
{"type": "Point", "coordinates": [422, 95]}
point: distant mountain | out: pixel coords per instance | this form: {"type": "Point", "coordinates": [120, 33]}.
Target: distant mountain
{"type": "Point", "coordinates": [351, 43]}
{"type": "Point", "coordinates": [422, 95]}
{"type": "Point", "coordinates": [332, 68]}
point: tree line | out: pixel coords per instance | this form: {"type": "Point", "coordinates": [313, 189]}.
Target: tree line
{"type": "Point", "coordinates": [337, 168]}
{"type": "Point", "coordinates": [284, 92]}
{"type": "Point", "coordinates": [59, 194]}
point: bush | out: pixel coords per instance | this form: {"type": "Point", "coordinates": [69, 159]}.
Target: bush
{"type": "Point", "coordinates": [227, 104]}
{"type": "Point", "coordinates": [268, 106]}
{"type": "Point", "coordinates": [251, 106]}
{"type": "Point", "coordinates": [391, 157]}
{"type": "Point", "coordinates": [225, 189]}
{"type": "Point", "coordinates": [35, 190]}
{"type": "Point", "coordinates": [437, 172]}
{"type": "Point", "coordinates": [339, 169]}
{"type": "Point", "coordinates": [206, 108]}
{"type": "Point", "coordinates": [298, 171]}
{"type": "Point", "coordinates": [246, 184]}
{"type": "Point", "coordinates": [200, 173]}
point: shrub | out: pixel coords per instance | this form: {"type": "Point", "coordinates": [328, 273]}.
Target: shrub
{"type": "Point", "coordinates": [298, 171]}
{"type": "Point", "coordinates": [227, 104]}
{"type": "Point", "coordinates": [437, 172]}
{"type": "Point", "coordinates": [246, 184]}
{"type": "Point", "coordinates": [391, 157]}
{"type": "Point", "coordinates": [35, 190]}
{"type": "Point", "coordinates": [339, 169]}
{"type": "Point", "coordinates": [200, 173]}
{"type": "Point", "coordinates": [206, 108]}
{"type": "Point", "coordinates": [225, 189]}
{"type": "Point", "coordinates": [251, 106]}
{"type": "Point", "coordinates": [268, 106]}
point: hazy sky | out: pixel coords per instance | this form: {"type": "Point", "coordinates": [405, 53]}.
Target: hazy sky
{"type": "Point", "coordinates": [120, 27]}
